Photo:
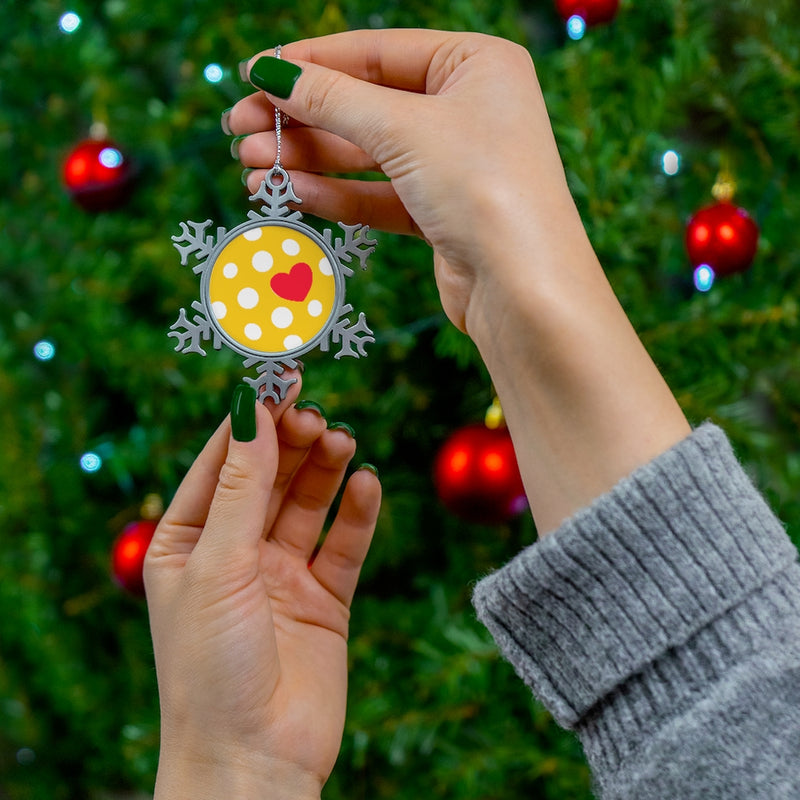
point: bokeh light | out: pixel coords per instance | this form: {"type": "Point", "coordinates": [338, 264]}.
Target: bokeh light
{"type": "Point", "coordinates": [69, 22]}
{"type": "Point", "coordinates": [671, 162]}
{"type": "Point", "coordinates": [91, 462]}
{"type": "Point", "coordinates": [576, 27]}
{"type": "Point", "coordinates": [44, 350]}
{"type": "Point", "coordinates": [703, 278]}
{"type": "Point", "coordinates": [110, 157]}
{"type": "Point", "coordinates": [213, 73]}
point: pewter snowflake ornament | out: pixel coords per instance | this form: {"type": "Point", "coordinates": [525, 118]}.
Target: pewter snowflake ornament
{"type": "Point", "coordinates": [272, 288]}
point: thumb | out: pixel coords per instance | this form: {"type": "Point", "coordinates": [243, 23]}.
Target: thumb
{"type": "Point", "coordinates": [238, 507]}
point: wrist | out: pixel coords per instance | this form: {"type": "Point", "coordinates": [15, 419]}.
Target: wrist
{"type": "Point", "coordinates": [243, 776]}
{"type": "Point", "coordinates": [584, 402]}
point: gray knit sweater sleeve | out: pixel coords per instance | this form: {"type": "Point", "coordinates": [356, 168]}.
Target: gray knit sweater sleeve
{"type": "Point", "coordinates": [662, 624]}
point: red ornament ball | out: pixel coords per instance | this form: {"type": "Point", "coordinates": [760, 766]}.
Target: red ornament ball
{"type": "Point", "coordinates": [723, 236]}
{"type": "Point", "coordinates": [592, 12]}
{"type": "Point", "coordinates": [97, 175]}
{"type": "Point", "coordinates": [128, 552]}
{"type": "Point", "coordinates": [477, 477]}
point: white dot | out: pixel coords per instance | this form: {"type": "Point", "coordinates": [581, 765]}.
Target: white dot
{"type": "Point", "coordinates": [220, 309]}
{"type": "Point", "coordinates": [252, 331]}
{"type": "Point", "coordinates": [230, 270]}
{"type": "Point", "coordinates": [248, 298]}
{"type": "Point", "coordinates": [262, 261]}
{"type": "Point", "coordinates": [290, 247]}
{"type": "Point", "coordinates": [282, 317]}
{"type": "Point", "coordinates": [315, 308]}
{"type": "Point", "coordinates": [292, 341]}
{"type": "Point", "coordinates": [325, 266]}
{"type": "Point", "coordinates": [253, 235]}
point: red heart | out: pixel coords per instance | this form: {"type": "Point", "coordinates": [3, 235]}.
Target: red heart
{"type": "Point", "coordinates": [295, 284]}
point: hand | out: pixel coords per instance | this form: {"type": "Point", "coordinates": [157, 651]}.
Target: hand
{"type": "Point", "coordinates": [458, 123]}
{"type": "Point", "coordinates": [455, 120]}
{"type": "Point", "coordinates": [250, 638]}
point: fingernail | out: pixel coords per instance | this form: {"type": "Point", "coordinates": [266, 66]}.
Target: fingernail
{"type": "Point", "coordinates": [224, 121]}
{"type": "Point", "coordinates": [246, 175]}
{"type": "Point", "coordinates": [242, 69]}
{"type": "Point", "coordinates": [312, 405]}
{"type": "Point", "coordinates": [235, 146]}
{"type": "Point", "coordinates": [369, 468]}
{"type": "Point", "coordinates": [274, 75]}
{"type": "Point", "coordinates": [342, 426]}
{"type": "Point", "coordinates": [243, 413]}
{"type": "Point", "coordinates": [301, 367]}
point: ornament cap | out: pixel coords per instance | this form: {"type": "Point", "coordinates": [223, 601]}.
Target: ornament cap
{"type": "Point", "coordinates": [724, 187]}
{"type": "Point", "coordinates": [494, 417]}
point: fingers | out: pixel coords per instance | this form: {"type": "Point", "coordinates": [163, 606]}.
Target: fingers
{"type": "Point", "coordinates": [338, 563]}
{"type": "Point", "coordinates": [298, 430]}
{"type": "Point", "coordinates": [398, 58]}
{"type": "Point", "coordinates": [353, 108]}
{"type": "Point", "coordinates": [313, 489]}
{"type": "Point", "coordinates": [183, 521]}
{"type": "Point", "coordinates": [307, 149]}
{"type": "Point", "coordinates": [372, 203]}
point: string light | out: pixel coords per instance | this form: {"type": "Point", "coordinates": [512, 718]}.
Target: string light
{"type": "Point", "coordinates": [91, 462]}
{"type": "Point", "coordinates": [576, 27]}
{"type": "Point", "coordinates": [671, 162]}
{"type": "Point", "coordinates": [69, 22]}
{"type": "Point", "coordinates": [44, 350]}
{"type": "Point", "coordinates": [110, 157]}
{"type": "Point", "coordinates": [703, 278]}
{"type": "Point", "coordinates": [213, 73]}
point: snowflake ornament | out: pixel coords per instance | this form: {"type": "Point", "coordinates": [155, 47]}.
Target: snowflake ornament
{"type": "Point", "coordinates": [272, 288]}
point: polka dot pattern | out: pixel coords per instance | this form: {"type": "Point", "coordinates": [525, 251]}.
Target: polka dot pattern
{"type": "Point", "coordinates": [272, 289]}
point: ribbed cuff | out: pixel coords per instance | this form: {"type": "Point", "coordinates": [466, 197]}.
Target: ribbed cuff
{"type": "Point", "coordinates": [645, 568]}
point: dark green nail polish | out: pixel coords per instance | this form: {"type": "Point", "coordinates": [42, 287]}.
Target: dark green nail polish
{"type": "Point", "coordinates": [224, 121]}
{"type": "Point", "coordinates": [243, 413]}
{"type": "Point", "coordinates": [369, 467]}
{"type": "Point", "coordinates": [235, 146]}
{"type": "Point", "coordinates": [274, 75]}
{"type": "Point", "coordinates": [342, 426]}
{"type": "Point", "coordinates": [246, 175]}
{"type": "Point", "coordinates": [312, 405]}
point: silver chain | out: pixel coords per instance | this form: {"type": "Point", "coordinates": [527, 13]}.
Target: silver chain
{"type": "Point", "coordinates": [278, 122]}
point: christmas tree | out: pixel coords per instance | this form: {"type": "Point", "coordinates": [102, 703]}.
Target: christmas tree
{"type": "Point", "coordinates": [100, 415]}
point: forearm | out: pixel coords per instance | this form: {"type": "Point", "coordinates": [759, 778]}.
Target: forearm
{"type": "Point", "coordinates": [585, 404]}
{"type": "Point", "coordinates": [661, 624]}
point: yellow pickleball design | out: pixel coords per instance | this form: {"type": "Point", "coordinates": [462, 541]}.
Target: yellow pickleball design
{"type": "Point", "coordinates": [272, 289]}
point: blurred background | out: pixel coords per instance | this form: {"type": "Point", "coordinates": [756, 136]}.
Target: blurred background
{"type": "Point", "coordinates": [661, 110]}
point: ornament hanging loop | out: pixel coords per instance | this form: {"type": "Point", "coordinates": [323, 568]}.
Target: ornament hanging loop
{"type": "Point", "coordinates": [277, 177]}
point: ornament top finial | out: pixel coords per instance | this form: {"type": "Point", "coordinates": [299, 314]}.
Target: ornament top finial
{"type": "Point", "coordinates": [724, 187]}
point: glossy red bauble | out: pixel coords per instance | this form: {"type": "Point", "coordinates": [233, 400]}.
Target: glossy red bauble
{"type": "Point", "coordinates": [592, 12]}
{"type": "Point", "coordinates": [477, 477]}
{"type": "Point", "coordinates": [723, 236]}
{"type": "Point", "coordinates": [128, 552]}
{"type": "Point", "coordinates": [97, 175]}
